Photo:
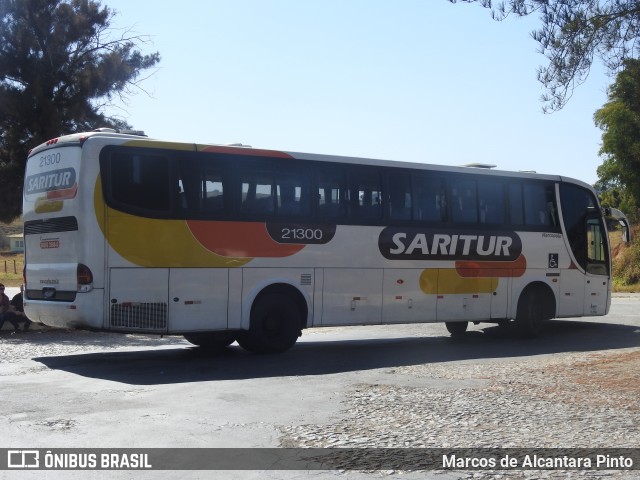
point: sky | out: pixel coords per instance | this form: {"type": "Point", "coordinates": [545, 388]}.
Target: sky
{"type": "Point", "coordinates": [411, 80]}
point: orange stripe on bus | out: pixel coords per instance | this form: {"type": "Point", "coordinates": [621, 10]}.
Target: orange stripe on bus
{"type": "Point", "coordinates": [239, 239]}
{"type": "Point", "coordinates": [478, 269]}
{"type": "Point", "coordinates": [63, 194]}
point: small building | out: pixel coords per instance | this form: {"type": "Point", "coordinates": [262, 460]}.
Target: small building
{"type": "Point", "coordinates": [16, 242]}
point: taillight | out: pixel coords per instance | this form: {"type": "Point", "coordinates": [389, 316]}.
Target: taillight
{"type": "Point", "coordinates": [85, 278]}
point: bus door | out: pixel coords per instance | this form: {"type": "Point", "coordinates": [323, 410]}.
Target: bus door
{"type": "Point", "coordinates": [597, 288]}
{"type": "Point", "coordinates": [585, 290]}
{"type": "Point", "coordinates": [198, 299]}
{"type": "Point", "coordinates": [571, 296]}
{"type": "Point", "coordinates": [585, 285]}
{"type": "Point", "coordinates": [138, 299]}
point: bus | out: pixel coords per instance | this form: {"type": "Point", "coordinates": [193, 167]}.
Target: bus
{"type": "Point", "coordinates": [224, 243]}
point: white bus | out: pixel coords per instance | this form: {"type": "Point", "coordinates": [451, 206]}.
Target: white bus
{"type": "Point", "coordinates": [224, 243]}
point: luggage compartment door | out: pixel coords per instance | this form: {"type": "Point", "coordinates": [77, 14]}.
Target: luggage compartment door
{"type": "Point", "coordinates": [138, 299]}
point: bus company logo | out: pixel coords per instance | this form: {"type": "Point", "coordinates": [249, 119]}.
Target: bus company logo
{"type": "Point", "coordinates": [406, 243]}
{"type": "Point", "coordinates": [23, 459]}
{"type": "Point", "coordinates": [55, 180]}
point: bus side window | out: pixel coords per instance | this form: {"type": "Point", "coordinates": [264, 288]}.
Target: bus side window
{"type": "Point", "coordinates": [331, 193]}
{"type": "Point", "coordinates": [140, 182]}
{"type": "Point", "coordinates": [552, 206]}
{"type": "Point", "coordinates": [366, 195]}
{"type": "Point", "coordinates": [491, 200]}
{"type": "Point", "coordinates": [429, 199]}
{"type": "Point", "coordinates": [540, 205]}
{"type": "Point", "coordinates": [516, 213]}
{"type": "Point", "coordinates": [292, 194]}
{"type": "Point", "coordinates": [464, 208]}
{"type": "Point", "coordinates": [213, 191]}
{"type": "Point", "coordinates": [399, 201]}
{"type": "Point", "coordinates": [257, 192]}
{"type": "Point", "coordinates": [188, 188]}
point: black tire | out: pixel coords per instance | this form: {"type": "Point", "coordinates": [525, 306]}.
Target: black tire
{"type": "Point", "coordinates": [275, 325]}
{"type": "Point", "coordinates": [531, 313]}
{"type": "Point", "coordinates": [457, 329]}
{"type": "Point", "coordinates": [211, 340]}
{"type": "Point", "coordinates": [245, 340]}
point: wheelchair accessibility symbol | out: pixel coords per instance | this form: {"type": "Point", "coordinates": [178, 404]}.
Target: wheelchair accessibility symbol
{"type": "Point", "coordinates": [553, 260]}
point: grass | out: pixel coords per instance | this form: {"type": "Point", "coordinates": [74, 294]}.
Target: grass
{"type": "Point", "coordinates": [626, 262]}
{"type": "Point", "coordinates": [11, 265]}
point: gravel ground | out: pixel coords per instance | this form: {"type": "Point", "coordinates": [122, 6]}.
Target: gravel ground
{"type": "Point", "coordinates": [567, 400]}
{"type": "Point", "coordinates": [564, 400]}
{"type": "Point", "coordinates": [570, 400]}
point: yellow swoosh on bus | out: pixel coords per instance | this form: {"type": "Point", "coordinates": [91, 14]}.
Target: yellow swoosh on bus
{"type": "Point", "coordinates": [470, 276]}
{"type": "Point", "coordinates": [53, 200]}
{"type": "Point", "coordinates": [178, 243]}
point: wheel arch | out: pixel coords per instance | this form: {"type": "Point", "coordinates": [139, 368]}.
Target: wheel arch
{"type": "Point", "coordinates": [285, 288]}
{"type": "Point", "coordinates": [544, 292]}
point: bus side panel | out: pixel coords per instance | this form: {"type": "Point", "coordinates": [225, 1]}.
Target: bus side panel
{"type": "Point", "coordinates": [500, 298]}
{"type": "Point", "coordinates": [403, 299]}
{"type": "Point", "coordinates": [597, 295]}
{"type": "Point", "coordinates": [198, 299]}
{"type": "Point", "coordinates": [234, 312]}
{"type": "Point", "coordinates": [138, 299]}
{"type": "Point", "coordinates": [317, 297]}
{"type": "Point", "coordinates": [352, 296]}
{"type": "Point", "coordinates": [571, 293]}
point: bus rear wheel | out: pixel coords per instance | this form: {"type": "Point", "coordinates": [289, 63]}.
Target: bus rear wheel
{"type": "Point", "coordinates": [456, 329]}
{"type": "Point", "coordinates": [275, 325]}
{"type": "Point", "coordinates": [211, 340]}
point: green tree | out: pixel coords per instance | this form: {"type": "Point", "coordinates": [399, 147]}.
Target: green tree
{"type": "Point", "coordinates": [573, 32]}
{"type": "Point", "coordinates": [61, 63]}
{"type": "Point", "coordinates": [619, 118]}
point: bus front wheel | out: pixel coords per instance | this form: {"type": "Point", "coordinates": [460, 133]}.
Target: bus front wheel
{"type": "Point", "coordinates": [275, 325]}
{"type": "Point", "coordinates": [534, 307]}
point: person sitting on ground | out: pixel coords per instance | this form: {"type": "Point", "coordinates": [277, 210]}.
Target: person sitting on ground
{"type": "Point", "coordinates": [5, 305]}
{"type": "Point", "coordinates": [13, 311]}
{"type": "Point", "coordinates": [18, 312]}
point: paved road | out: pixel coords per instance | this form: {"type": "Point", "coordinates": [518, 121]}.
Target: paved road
{"type": "Point", "coordinates": [81, 390]}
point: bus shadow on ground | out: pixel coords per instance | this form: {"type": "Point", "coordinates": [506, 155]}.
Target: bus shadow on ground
{"type": "Point", "coordinates": [328, 356]}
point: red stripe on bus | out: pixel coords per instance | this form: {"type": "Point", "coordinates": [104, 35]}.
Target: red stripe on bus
{"type": "Point", "coordinates": [239, 239]}
{"type": "Point", "coordinates": [479, 269]}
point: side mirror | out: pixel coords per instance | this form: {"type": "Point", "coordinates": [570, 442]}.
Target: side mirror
{"type": "Point", "coordinates": [622, 220]}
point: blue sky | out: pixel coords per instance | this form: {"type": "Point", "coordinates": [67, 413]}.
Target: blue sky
{"type": "Point", "coordinates": [414, 80]}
